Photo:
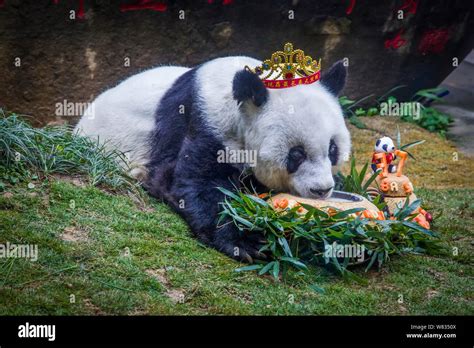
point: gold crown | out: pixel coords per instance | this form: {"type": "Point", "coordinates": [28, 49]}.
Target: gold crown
{"type": "Point", "coordinates": [288, 68]}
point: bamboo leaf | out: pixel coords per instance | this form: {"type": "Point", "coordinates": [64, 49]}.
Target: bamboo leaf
{"type": "Point", "coordinates": [386, 94]}
{"type": "Point", "coordinates": [345, 213]}
{"type": "Point", "coordinates": [294, 261]}
{"type": "Point", "coordinates": [266, 268]}
{"type": "Point", "coordinates": [368, 182]}
{"type": "Point", "coordinates": [418, 228]}
{"type": "Point", "coordinates": [276, 269]}
{"type": "Point", "coordinates": [362, 172]}
{"type": "Point", "coordinates": [228, 193]}
{"type": "Point", "coordinates": [284, 243]}
{"type": "Point", "coordinates": [414, 143]}
{"type": "Point", "coordinates": [258, 200]}
{"type": "Point", "coordinates": [317, 289]}
{"type": "Point", "coordinates": [372, 260]}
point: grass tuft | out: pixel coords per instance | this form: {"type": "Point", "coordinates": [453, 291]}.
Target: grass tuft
{"type": "Point", "coordinates": [28, 153]}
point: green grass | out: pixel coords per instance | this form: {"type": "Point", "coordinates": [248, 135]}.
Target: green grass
{"type": "Point", "coordinates": [28, 153]}
{"type": "Point", "coordinates": [120, 255]}
{"type": "Point", "coordinates": [169, 272]}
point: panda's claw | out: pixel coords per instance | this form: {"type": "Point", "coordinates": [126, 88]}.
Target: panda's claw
{"type": "Point", "coordinates": [248, 258]}
{"type": "Point", "coordinates": [243, 248]}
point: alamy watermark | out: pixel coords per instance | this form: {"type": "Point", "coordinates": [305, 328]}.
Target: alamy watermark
{"type": "Point", "coordinates": [28, 330]}
{"type": "Point", "coordinates": [68, 108]}
{"type": "Point", "coordinates": [237, 156]}
{"type": "Point", "coordinates": [23, 251]}
{"type": "Point", "coordinates": [352, 251]}
{"type": "Point", "coordinates": [392, 108]}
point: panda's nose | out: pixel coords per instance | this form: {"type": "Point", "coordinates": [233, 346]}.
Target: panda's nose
{"type": "Point", "coordinates": [321, 192]}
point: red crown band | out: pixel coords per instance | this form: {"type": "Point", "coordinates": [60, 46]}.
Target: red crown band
{"type": "Point", "coordinates": [277, 84]}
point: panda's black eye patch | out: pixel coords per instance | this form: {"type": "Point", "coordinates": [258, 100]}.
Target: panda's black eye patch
{"type": "Point", "coordinates": [333, 152]}
{"type": "Point", "coordinates": [296, 156]}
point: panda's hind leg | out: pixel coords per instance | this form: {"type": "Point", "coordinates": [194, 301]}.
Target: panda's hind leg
{"type": "Point", "coordinates": [139, 173]}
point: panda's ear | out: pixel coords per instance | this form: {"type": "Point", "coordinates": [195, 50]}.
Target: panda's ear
{"type": "Point", "coordinates": [334, 79]}
{"type": "Point", "coordinates": [248, 86]}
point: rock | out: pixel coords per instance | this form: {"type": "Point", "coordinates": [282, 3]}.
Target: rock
{"type": "Point", "coordinates": [329, 26]}
{"type": "Point", "coordinates": [394, 202]}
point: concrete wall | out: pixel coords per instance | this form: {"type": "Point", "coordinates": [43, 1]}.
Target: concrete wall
{"type": "Point", "coordinates": [74, 60]}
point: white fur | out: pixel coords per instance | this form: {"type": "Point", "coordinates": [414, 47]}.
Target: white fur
{"type": "Point", "coordinates": [124, 116]}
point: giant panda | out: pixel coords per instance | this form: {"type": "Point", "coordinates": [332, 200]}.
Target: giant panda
{"type": "Point", "coordinates": [171, 122]}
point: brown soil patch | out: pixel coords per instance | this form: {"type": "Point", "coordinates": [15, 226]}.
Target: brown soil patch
{"type": "Point", "coordinates": [92, 307]}
{"type": "Point", "coordinates": [176, 295]}
{"type": "Point", "coordinates": [74, 234]}
{"type": "Point", "coordinates": [159, 275]}
{"type": "Point", "coordinates": [78, 181]}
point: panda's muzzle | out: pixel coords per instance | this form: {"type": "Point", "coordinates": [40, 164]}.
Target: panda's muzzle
{"type": "Point", "coordinates": [321, 192]}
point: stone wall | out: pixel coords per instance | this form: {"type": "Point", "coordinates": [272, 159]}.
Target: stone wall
{"type": "Point", "coordinates": [46, 57]}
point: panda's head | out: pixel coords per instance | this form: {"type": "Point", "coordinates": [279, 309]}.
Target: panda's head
{"type": "Point", "coordinates": [299, 133]}
{"type": "Point", "coordinates": [385, 145]}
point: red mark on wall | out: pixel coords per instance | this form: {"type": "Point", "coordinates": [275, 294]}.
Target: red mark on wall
{"type": "Point", "coordinates": [139, 5]}
{"type": "Point", "coordinates": [410, 6]}
{"type": "Point", "coordinates": [224, 2]}
{"type": "Point", "coordinates": [144, 5]}
{"type": "Point", "coordinates": [434, 40]}
{"type": "Point", "coordinates": [396, 42]}
{"type": "Point", "coordinates": [81, 13]}
{"type": "Point", "coordinates": [350, 7]}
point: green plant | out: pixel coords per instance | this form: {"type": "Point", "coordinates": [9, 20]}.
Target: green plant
{"type": "Point", "coordinates": [388, 95]}
{"type": "Point", "coordinates": [348, 105]}
{"type": "Point", "coordinates": [429, 118]}
{"type": "Point", "coordinates": [352, 114]}
{"type": "Point", "coordinates": [429, 94]}
{"type": "Point", "coordinates": [355, 181]}
{"type": "Point", "coordinates": [296, 240]}
{"type": "Point", "coordinates": [26, 153]}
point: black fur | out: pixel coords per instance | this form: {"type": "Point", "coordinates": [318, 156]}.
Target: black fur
{"type": "Point", "coordinates": [185, 173]}
{"type": "Point", "coordinates": [333, 152]}
{"type": "Point", "coordinates": [296, 157]}
{"type": "Point", "coordinates": [247, 85]}
{"type": "Point", "coordinates": [335, 78]}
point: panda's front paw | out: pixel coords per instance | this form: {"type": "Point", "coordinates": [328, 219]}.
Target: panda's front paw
{"type": "Point", "coordinates": [244, 248]}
